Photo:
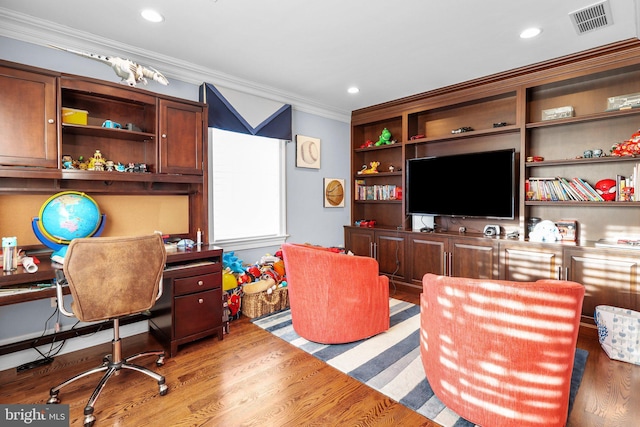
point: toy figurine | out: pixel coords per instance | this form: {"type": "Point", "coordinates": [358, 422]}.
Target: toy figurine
{"type": "Point", "coordinates": [372, 169]}
{"type": "Point", "coordinates": [130, 72]}
{"type": "Point", "coordinates": [385, 138]}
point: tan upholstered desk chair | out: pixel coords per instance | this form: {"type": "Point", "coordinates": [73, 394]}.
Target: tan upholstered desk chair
{"type": "Point", "coordinates": [110, 278]}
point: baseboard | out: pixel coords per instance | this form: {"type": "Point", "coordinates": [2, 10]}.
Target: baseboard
{"type": "Point", "coordinates": [13, 360]}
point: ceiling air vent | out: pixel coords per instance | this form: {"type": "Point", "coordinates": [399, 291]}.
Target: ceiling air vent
{"type": "Point", "coordinates": [592, 17]}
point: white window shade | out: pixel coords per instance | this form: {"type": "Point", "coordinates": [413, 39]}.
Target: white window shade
{"type": "Point", "coordinates": [247, 190]}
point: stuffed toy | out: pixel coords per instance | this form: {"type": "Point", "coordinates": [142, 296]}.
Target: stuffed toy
{"type": "Point", "coordinates": [385, 138]}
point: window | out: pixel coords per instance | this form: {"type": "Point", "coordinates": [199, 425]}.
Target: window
{"type": "Point", "coordinates": [247, 190]}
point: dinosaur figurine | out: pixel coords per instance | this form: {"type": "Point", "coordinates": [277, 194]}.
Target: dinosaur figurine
{"type": "Point", "coordinates": [130, 72]}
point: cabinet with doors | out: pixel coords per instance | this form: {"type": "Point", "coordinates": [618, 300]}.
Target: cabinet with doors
{"type": "Point", "coordinates": [386, 246]}
{"type": "Point", "coordinates": [182, 129]}
{"type": "Point", "coordinates": [528, 261]}
{"type": "Point", "coordinates": [190, 307]}
{"type": "Point", "coordinates": [610, 277]}
{"type": "Point", "coordinates": [29, 117]}
{"type": "Point", "coordinates": [159, 140]}
{"type": "Point", "coordinates": [511, 110]}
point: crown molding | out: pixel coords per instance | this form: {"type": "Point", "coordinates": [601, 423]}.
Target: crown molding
{"type": "Point", "coordinates": [45, 33]}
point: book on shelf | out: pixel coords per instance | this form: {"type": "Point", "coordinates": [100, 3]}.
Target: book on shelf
{"type": "Point", "coordinates": [561, 189]}
{"type": "Point", "coordinates": [377, 192]}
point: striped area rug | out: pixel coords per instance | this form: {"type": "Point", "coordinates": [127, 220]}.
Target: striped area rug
{"type": "Point", "coordinates": [389, 362]}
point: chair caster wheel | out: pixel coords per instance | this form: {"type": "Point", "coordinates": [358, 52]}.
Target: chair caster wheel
{"type": "Point", "coordinates": [53, 400]}
{"type": "Point", "coordinates": [89, 420]}
{"type": "Point", "coordinates": [160, 361]}
{"type": "Point", "coordinates": [164, 389]}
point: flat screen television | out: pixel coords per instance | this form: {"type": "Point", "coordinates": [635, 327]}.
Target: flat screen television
{"type": "Point", "coordinates": [475, 185]}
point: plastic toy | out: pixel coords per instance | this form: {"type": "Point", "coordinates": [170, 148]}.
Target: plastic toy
{"type": "Point", "coordinates": [385, 138]}
{"type": "Point", "coordinates": [372, 169]}
{"type": "Point", "coordinates": [606, 188]}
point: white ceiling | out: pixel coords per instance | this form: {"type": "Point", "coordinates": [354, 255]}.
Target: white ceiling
{"type": "Point", "coordinates": [308, 52]}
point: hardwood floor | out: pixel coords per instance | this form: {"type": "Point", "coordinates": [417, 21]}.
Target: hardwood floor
{"type": "Point", "coordinates": [252, 378]}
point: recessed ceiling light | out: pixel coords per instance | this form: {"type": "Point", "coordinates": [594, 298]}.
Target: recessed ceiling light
{"type": "Point", "coordinates": [353, 89]}
{"type": "Point", "coordinates": [530, 32]}
{"type": "Point", "coordinates": [152, 16]}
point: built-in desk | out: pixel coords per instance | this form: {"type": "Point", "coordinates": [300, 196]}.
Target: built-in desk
{"type": "Point", "coordinates": [190, 307]}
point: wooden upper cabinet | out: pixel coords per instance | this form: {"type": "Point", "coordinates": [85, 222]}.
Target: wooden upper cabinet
{"type": "Point", "coordinates": [28, 119]}
{"type": "Point", "coordinates": [182, 129]}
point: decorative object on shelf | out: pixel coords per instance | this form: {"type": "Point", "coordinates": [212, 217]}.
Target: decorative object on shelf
{"type": "Point", "coordinates": [463, 129]}
{"type": "Point", "coordinates": [619, 333]}
{"type": "Point", "coordinates": [97, 162]}
{"type": "Point", "coordinates": [606, 188]}
{"type": "Point", "coordinates": [307, 152]}
{"type": "Point", "coordinates": [557, 113]}
{"type": "Point", "coordinates": [392, 168]}
{"type": "Point", "coordinates": [545, 231]}
{"type": "Point", "coordinates": [368, 143]}
{"type": "Point", "coordinates": [368, 223]}
{"type": "Point", "coordinates": [130, 72]}
{"type": "Point", "coordinates": [568, 230]}
{"type": "Point", "coordinates": [74, 116]}
{"type": "Point", "coordinates": [531, 223]}
{"type": "Point", "coordinates": [333, 193]}
{"type": "Point", "coordinates": [535, 159]}
{"type": "Point", "coordinates": [597, 152]}
{"type": "Point", "coordinates": [499, 124]}
{"type": "Point", "coordinates": [385, 138]}
{"type": "Point", "coordinates": [630, 147]}
{"type": "Point", "coordinates": [623, 102]}
{"type": "Point", "coordinates": [111, 124]}
{"type": "Point", "coordinates": [67, 162]}
{"type": "Point", "coordinates": [372, 169]}
{"type": "Point", "coordinates": [414, 137]}
{"type": "Point", "coordinates": [587, 154]}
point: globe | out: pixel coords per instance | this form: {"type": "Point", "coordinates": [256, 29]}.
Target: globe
{"type": "Point", "coordinates": [66, 216]}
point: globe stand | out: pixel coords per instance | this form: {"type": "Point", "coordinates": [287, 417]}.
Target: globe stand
{"type": "Point", "coordinates": [59, 248]}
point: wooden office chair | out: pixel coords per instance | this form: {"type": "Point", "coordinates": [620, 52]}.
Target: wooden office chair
{"type": "Point", "coordinates": [110, 278]}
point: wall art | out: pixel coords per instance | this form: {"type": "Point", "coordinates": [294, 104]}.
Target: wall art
{"type": "Point", "coordinates": [307, 152]}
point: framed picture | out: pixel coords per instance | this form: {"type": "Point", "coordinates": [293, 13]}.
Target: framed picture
{"type": "Point", "coordinates": [307, 152]}
{"type": "Point", "coordinates": [333, 193]}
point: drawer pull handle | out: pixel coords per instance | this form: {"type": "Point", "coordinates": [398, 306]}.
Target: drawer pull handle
{"type": "Point", "coordinates": [200, 283]}
{"type": "Point", "coordinates": [200, 300]}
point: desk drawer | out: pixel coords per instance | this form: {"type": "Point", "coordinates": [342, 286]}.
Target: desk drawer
{"type": "Point", "coordinates": [197, 313]}
{"type": "Point", "coordinates": [198, 283]}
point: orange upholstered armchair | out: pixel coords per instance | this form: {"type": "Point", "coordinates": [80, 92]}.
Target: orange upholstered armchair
{"type": "Point", "coordinates": [335, 298]}
{"type": "Point", "coordinates": [500, 353]}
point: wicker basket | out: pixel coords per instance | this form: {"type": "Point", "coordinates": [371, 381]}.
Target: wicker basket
{"type": "Point", "coordinates": [261, 303]}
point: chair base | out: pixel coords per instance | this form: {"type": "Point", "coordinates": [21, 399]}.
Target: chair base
{"type": "Point", "coordinates": [110, 366]}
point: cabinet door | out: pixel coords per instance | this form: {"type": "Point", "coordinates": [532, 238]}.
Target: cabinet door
{"type": "Point", "coordinates": [427, 254]}
{"type": "Point", "coordinates": [359, 241]}
{"type": "Point", "coordinates": [390, 252]}
{"type": "Point", "coordinates": [28, 117]}
{"type": "Point", "coordinates": [197, 313]}
{"type": "Point", "coordinates": [609, 278]}
{"type": "Point", "coordinates": [473, 258]}
{"type": "Point", "coordinates": [526, 262]}
{"type": "Point", "coordinates": [182, 130]}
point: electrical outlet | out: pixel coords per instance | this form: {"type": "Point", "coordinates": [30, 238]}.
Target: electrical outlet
{"type": "Point", "coordinates": [54, 302]}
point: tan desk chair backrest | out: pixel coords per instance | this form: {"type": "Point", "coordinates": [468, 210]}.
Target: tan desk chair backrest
{"type": "Point", "coordinates": [111, 277]}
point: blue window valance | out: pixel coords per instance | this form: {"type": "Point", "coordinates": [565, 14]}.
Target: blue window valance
{"type": "Point", "coordinates": [222, 115]}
